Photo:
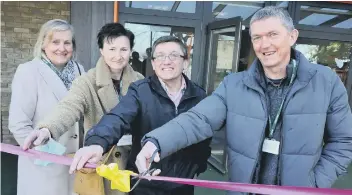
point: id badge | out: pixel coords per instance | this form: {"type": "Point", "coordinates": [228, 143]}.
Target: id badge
{"type": "Point", "coordinates": [271, 146]}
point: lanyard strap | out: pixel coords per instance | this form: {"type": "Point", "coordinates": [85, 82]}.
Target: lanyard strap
{"type": "Point", "coordinates": [272, 125]}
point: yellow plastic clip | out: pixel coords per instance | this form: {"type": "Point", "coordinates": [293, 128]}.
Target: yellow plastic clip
{"type": "Point", "coordinates": [120, 179]}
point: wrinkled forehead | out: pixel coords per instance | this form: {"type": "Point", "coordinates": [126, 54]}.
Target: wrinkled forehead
{"type": "Point", "coordinates": [267, 25]}
{"type": "Point", "coordinates": [168, 47]}
{"type": "Point", "coordinates": [58, 34]}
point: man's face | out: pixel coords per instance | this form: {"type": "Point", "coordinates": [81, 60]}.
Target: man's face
{"type": "Point", "coordinates": [272, 41]}
{"type": "Point", "coordinates": [168, 61]}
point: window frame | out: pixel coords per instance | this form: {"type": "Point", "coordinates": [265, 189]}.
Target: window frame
{"type": "Point", "coordinates": [154, 12]}
{"type": "Point", "coordinates": [346, 33]}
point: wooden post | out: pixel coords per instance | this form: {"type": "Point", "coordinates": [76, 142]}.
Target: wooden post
{"type": "Point", "coordinates": [116, 11]}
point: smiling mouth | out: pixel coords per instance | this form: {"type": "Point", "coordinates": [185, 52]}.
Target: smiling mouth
{"type": "Point", "coordinates": [167, 69]}
{"type": "Point", "coordinates": [269, 53]}
{"type": "Point", "coordinates": [118, 62]}
{"type": "Point", "coordinates": [60, 54]}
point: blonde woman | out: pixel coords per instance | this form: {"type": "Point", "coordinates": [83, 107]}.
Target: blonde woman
{"type": "Point", "coordinates": [95, 93]}
{"type": "Point", "coordinates": [37, 87]}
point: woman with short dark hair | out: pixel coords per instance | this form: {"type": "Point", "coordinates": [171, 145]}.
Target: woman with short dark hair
{"type": "Point", "coordinates": [95, 93]}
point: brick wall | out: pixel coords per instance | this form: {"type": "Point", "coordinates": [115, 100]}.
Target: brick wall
{"type": "Point", "coordinates": [20, 23]}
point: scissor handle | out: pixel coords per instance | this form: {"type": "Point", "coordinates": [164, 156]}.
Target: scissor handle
{"type": "Point", "coordinates": [148, 171]}
{"type": "Point", "coordinates": [152, 158]}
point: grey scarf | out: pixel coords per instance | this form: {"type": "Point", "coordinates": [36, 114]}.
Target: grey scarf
{"type": "Point", "coordinates": [67, 75]}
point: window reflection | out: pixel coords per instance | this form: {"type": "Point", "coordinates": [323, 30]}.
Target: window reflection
{"type": "Point", "coordinates": [226, 43]}
{"type": "Point", "coordinates": [173, 6]}
{"type": "Point", "coordinates": [283, 4]}
{"type": "Point", "coordinates": [145, 35]}
{"type": "Point", "coordinates": [326, 17]}
{"type": "Point", "coordinates": [231, 9]}
{"type": "Point", "coordinates": [336, 55]}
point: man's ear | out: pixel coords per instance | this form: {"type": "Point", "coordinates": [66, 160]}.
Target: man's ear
{"type": "Point", "coordinates": [185, 64]}
{"type": "Point", "coordinates": [293, 36]}
{"type": "Point", "coordinates": [153, 63]}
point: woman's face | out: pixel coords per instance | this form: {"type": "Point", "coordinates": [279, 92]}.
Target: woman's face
{"type": "Point", "coordinates": [58, 47]}
{"type": "Point", "coordinates": [116, 52]}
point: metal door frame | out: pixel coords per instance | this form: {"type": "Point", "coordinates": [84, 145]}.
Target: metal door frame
{"type": "Point", "coordinates": [221, 165]}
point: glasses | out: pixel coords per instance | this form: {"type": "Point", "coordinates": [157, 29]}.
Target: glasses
{"type": "Point", "coordinates": [172, 57]}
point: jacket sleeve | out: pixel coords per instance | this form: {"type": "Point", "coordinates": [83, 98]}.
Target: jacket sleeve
{"type": "Point", "coordinates": [68, 111]}
{"type": "Point", "coordinates": [23, 102]}
{"type": "Point", "coordinates": [113, 125]}
{"type": "Point", "coordinates": [337, 151]}
{"type": "Point", "coordinates": [193, 126]}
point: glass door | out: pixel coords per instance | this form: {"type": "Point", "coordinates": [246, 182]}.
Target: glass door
{"type": "Point", "coordinates": [147, 29]}
{"type": "Point", "coordinates": [223, 49]}
{"type": "Point", "coordinates": [146, 34]}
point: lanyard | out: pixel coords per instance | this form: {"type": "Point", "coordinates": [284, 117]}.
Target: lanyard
{"type": "Point", "coordinates": [272, 125]}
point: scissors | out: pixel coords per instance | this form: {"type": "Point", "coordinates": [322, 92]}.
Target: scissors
{"type": "Point", "coordinates": [148, 171]}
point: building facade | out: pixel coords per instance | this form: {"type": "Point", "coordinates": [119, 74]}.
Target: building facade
{"type": "Point", "coordinates": [215, 32]}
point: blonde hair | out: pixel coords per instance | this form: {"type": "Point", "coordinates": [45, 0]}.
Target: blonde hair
{"type": "Point", "coordinates": [49, 27]}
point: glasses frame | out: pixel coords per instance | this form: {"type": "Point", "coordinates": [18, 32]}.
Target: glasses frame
{"type": "Point", "coordinates": [164, 57]}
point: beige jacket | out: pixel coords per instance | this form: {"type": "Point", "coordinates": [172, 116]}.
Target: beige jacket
{"type": "Point", "coordinates": [83, 98]}
{"type": "Point", "coordinates": [36, 90]}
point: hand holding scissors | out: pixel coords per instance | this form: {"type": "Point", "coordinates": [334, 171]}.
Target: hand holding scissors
{"type": "Point", "coordinates": [149, 171]}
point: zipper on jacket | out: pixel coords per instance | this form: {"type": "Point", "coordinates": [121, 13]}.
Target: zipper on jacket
{"type": "Point", "coordinates": [259, 152]}
{"type": "Point", "coordinates": [280, 160]}
{"type": "Point", "coordinates": [282, 137]}
{"type": "Point", "coordinates": [183, 98]}
{"type": "Point", "coordinates": [181, 101]}
{"type": "Point", "coordinates": [261, 144]}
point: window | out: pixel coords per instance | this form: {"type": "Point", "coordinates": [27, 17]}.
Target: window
{"type": "Point", "coordinates": [146, 34]}
{"type": "Point", "coordinates": [171, 6]}
{"type": "Point", "coordinates": [283, 4]}
{"type": "Point", "coordinates": [325, 17]}
{"type": "Point", "coordinates": [222, 10]}
{"type": "Point", "coordinates": [336, 55]}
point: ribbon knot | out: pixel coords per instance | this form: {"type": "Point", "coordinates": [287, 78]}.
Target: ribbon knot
{"type": "Point", "coordinates": [120, 179]}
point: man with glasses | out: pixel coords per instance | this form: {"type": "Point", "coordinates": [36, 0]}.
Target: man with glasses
{"type": "Point", "coordinates": [149, 104]}
{"type": "Point", "coordinates": [288, 121]}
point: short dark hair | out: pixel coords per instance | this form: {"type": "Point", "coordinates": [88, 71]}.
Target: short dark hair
{"type": "Point", "coordinates": [167, 39]}
{"type": "Point", "coordinates": [111, 31]}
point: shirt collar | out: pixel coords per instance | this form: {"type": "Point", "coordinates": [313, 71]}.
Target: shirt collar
{"type": "Point", "coordinates": [182, 89]}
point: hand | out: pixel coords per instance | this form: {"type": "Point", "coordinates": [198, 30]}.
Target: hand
{"type": "Point", "coordinates": [91, 154]}
{"type": "Point", "coordinates": [36, 138]}
{"type": "Point", "coordinates": [144, 158]}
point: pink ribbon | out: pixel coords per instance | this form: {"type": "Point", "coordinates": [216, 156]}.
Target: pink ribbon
{"type": "Point", "coordinates": [229, 186]}
{"type": "Point", "coordinates": [252, 188]}
{"type": "Point", "coordinates": [64, 160]}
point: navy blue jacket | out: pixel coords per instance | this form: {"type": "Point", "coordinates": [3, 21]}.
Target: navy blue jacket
{"type": "Point", "coordinates": [145, 107]}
